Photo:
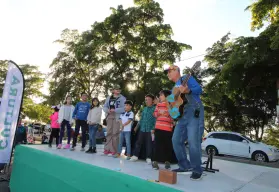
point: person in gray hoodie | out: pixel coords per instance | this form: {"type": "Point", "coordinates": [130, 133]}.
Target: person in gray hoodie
{"type": "Point", "coordinates": [113, 108]}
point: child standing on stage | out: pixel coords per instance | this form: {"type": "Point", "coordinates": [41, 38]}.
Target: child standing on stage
{"type": "Point", "coordinates": [80, 115]}
{"type": "Point", "coordinates": [113, 108]}
{"type": "Point", "coordinates": [125, 121]}
{"type": "Point", "coordinates": [93, 120]}
{"type": "Point", "coordinates": [65, 119]}
{"type": "Point", "coordinates": [55, 127]}
{"type": "Point", "coordinates": [163, 133]}
{"type": "Point", "coordinates": [146, 126]}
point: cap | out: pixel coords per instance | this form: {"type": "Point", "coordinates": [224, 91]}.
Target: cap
{"type": "Point", "coordinates": [172, 67]}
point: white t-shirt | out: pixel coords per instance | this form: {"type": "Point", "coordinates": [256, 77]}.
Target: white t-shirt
{"type": "Point", "coordinates": [124, 117]}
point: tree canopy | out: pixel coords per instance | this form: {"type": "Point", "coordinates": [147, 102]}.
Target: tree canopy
{"type": "Point", "coordinates": [128, 48]}
{"type": "Point", "coordinates": [34, 80]}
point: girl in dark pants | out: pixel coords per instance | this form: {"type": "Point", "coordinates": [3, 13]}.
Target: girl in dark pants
{"type": "Point", "coordinates": [66, 120]}
{"type": "Point", "coordinates": [93, 119]}
{"type": "Point", "coordinates": [163, 133]}
{"type": "Point", "coordinates": [55, 127]}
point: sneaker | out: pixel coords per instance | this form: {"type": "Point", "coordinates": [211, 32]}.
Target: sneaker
{"type": "Point", "coordinates": [148, 161]}
{"type": "Point", "coordinates": [59, 146]}
{"type": "Point", "coordinates": [116, 155]}
{"type": "Point", "coordinates": [155, 165]}
{"type": "Point", "coordinates": [182, 172]}
{"type": "Point", "coordinates": [111, 154]}
{"type": "Point", "coordinates": [82, 149]}
{"type": "Point", "coordinates": [167, 165]}
{"type": "Point", "coordinates": [67, 146]}
{"type": "Point", "coordinates": [105, 152]}
{"type": "Point", "coordinates": [134, 158]}
{"type": "Point", "coordinates": [49, 146]}
{"type": "Point", "coordinates": [196, 176]}
{"type": "Point", "coordinates": [73, 148]}
{"type": "Point", "coordinates": [128, 158]}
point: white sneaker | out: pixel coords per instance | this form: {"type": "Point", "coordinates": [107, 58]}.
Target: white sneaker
{"type": "Point", "coordinates": [134, 158]}
{"type": "Point", "coordinates": [148, 161]}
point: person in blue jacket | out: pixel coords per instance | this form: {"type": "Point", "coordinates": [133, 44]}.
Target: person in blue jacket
{"type": "Point", "coordinates": [80, 115]}
{"type": "Point", "coordinates": [189, 127]}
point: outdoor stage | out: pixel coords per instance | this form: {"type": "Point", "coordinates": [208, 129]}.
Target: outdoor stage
{"type": "Point", "coordinates": [38, 168]}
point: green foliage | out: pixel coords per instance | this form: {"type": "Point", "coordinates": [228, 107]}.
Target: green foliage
{"type": "Point", "coordinates": [39, 112]}
{"type": "Point", "coordinates": [272, 137]}
{"type": "Point", "coordinates": [263, 11]}
{"type": "Point", "coordinates": [242, 94]}
{"type": "Point", "coordinates": [34, 80]}
{"type": "Point", "coordinates": [128, 48]}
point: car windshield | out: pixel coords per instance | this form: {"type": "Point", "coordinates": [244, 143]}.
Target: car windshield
{"type": "Point", "coordinates": [250, 140]}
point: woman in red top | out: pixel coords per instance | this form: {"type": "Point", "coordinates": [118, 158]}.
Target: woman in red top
{"type": "Point", "coordinates": [163, 133]}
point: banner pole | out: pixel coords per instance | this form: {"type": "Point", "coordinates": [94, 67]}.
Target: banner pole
{"type": "Point", "coordinates": [21, 102]}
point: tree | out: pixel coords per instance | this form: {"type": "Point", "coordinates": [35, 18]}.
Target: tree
{"type": "Point", "coordinates": [34, 80]}
{"type": "Point", "coordinates": [128, 48]}
{"type": "Point", "coordinates": [39, 112]}
{"type": "Point", "coordinates": [242, 95]}
{"type": "Point", "coordinates": [263, 11]}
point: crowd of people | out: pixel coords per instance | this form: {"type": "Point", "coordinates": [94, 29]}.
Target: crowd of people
{"type": "Point", "coordinates": [162, 138]}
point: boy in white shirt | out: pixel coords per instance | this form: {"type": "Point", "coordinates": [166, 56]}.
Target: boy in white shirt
{"type": "Point", "coordinates": [125, 121]}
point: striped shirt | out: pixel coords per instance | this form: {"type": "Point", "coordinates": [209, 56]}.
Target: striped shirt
{"type": "Point", "coordinates": [163, 121]}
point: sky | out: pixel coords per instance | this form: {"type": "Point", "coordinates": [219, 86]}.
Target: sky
{"type": "Point", "coordinates": [30, 27]}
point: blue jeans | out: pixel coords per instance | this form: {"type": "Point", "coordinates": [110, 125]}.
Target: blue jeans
{"type": "Point", "coordinates": [189, 128]}
{"type": "Point", "coordinates": [92, 135]}
{"type": "Point", "coordinates": [69, 131]}
{"type": "Point", "coordinates": [127, 136]}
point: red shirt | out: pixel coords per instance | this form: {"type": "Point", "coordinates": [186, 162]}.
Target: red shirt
{"type": "Point", "coordinates": [163, 121]}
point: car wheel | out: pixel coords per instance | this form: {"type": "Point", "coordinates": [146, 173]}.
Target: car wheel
{"type": "Point", "coordinates": [211, 149]}
{"type": "Point", "coordinates": [260, 156]}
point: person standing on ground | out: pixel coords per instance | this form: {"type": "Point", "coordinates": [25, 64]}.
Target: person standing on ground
{"type": "Point", "coordinates": [146, 125]}
{"type": "Point", "coordinates": [65, 119]}
{"type": "Point", "coordinates": [21, 134]}
{"type": "Point", "coordinates": [113, 107]}
{"type": "Point", "coordinates": [55, 126]}
{"type": "Point", "coordinates": [189, 126]}
{"type": "Point", "coordinates": [93, 120]}
{"type": "Point", "coordinates": [80, 115]}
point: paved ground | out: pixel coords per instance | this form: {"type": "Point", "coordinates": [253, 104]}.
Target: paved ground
{"type": "Point", "coordinates": [4, 186]}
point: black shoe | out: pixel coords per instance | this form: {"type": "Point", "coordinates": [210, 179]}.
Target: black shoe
{"type": "Point", "coordinates": [94, 150]}
{"type": "Point", "coordinates": [155, 165]}
{"type": "Point", "coordinates": [73, 148]}
{"type": "Point", "coordinates": [196, 176]}
{"type": "Point", "coordinates": [182, 171]}
{"type": "Point", "coordinates": [167, 165]}
{"type": "Point", "coordinates": [49, 145]}
{"type": "Point", "coordinates": [89, 150]}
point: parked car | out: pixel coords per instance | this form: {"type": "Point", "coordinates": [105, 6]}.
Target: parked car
{"type": "Point", "coordinates": [48, 128]}
{"type": "Point", "coordinates": [37, 127]}
{"type": "Point", "coordinates": [236, 144]}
